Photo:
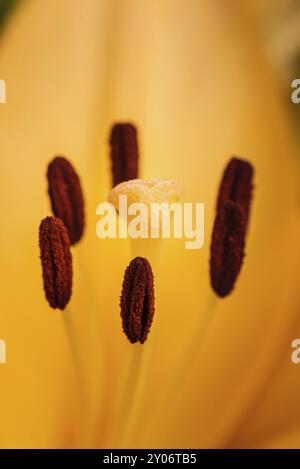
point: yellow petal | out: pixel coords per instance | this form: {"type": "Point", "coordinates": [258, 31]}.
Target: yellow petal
{"type": "Point", "coordinates": [192, 75]}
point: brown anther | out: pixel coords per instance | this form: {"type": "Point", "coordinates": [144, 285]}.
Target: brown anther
{"type": "Point", "coordinates": [230, 227]}
{"type": "Point", "coordinates": [237, 185]}
{"type": "Point", "coordinates": [124, 152]}
{"type": "Point", "coordinates": [66, 196]}
{"type": "Point", "coordinates": [227, 248]}
{"type": "Point", "coordinates": [56, 261]}
{"type": "Point", "coordinates": [137, 300]}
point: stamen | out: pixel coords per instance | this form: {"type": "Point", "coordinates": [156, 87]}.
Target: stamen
{"type": "Point", "coordinates": [66, 196]}
{"type": "Point", "coordinates": [137, 300]}
{"type": "Point", "coordinates": [124, 152]}
{"type": "Point", "coordinates": [236, 185]}
{"type": "Point", "coordinates": [230, 227]}
{"type": "Point", "coordinates": [56, 261]}
{"type": "Point", "coordinates": [227, 248]}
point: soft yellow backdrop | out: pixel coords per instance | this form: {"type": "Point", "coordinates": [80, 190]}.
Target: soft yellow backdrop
{"type": "Point", "coordinates": [193, 77]}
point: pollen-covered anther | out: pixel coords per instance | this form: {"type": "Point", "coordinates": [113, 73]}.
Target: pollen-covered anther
{"type": "Point", "coordinates": [227, 248]}
{"type": "Point", "coordinates": [137, 300]}
{"type": "Point", "coordinates": [230, 226]}
{"type": "Point", "coordinates": [237, 185]}
{"type": "Point", "coordinates": [124, 152]}
{"type": "Point", "coordinates": [56, 261]}
{"type": "Point", "coordinates": [66, 196]}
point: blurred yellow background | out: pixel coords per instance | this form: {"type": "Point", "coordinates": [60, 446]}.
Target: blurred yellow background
{"type": "Point", "coordinates": [202, 80]}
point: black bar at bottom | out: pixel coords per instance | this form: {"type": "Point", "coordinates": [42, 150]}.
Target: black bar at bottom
{"type": "Point", "coordinates": [133, 458]}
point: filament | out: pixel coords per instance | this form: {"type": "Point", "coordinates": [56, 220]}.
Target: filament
{"type": "Point", "coordinates": [80, 375]}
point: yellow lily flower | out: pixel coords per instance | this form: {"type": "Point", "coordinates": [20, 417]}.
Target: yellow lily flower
{"type": "Point", "coordinates": [193, 77]}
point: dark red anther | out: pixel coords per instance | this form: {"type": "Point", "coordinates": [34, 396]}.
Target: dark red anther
{"type": "Point", "coordinates": [124, 152]}
{"type": "Point", "coordinates": [237, 185]}
{"type": "Point", "coordinates": [230, 227]}
{"type": "Point", "coordinates": [66, 196]}
{"type": "Point", "coordinates": [137, 300]}
{"type": "Point", "coordinates": [227, 248]}
{"type": "Point", "coordinates": [56, 261]}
